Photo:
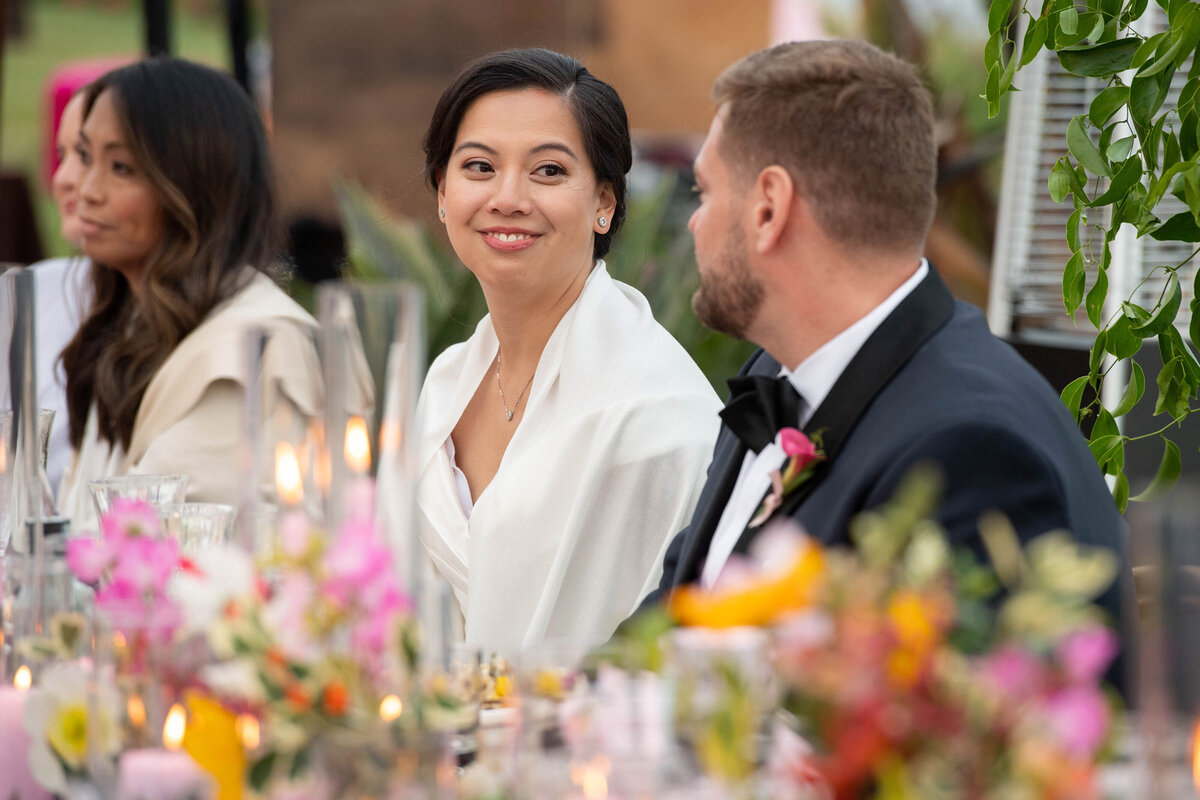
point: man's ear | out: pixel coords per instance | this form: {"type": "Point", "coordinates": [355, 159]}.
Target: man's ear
{"type": "Point", "coordinates": [605, 208]}
{"type": "Point", "coordinates": [771, 207]}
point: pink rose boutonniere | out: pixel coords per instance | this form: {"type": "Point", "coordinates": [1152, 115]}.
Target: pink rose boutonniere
{"type": "Point", "coordinates": [803, 455]}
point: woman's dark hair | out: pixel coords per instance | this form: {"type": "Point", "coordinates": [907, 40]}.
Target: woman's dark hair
{"type": "Point", "coordinates": [597, 109]}
{"type": "Point", "coordinates": [196, 135]}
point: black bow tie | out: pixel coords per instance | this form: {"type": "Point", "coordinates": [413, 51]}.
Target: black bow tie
{"type": "Point", "coordinates": [759, 406]}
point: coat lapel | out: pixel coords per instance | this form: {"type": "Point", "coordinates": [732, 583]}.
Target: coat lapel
{"type": "Point", "coordinates": [886, 351]}
{"type": "Point", "coordinates": [728, 456]}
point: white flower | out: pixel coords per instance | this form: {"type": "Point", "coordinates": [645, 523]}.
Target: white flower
{"type": "Point", "coordinates": [236, 679]}
{"type": "Point", "coordinates": [57, 720]}
{"type": "Point", "coordinates": [217, 576]}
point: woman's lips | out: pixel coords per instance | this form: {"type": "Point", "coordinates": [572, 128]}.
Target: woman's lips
{"type": "Point", "coordinates": [509, 240]}
{"type": "Point", "coordinates": [89, 227]}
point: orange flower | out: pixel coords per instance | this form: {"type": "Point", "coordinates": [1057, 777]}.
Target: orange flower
{"type": "Point", "coordinates": [335, 699]}
{"type": "Point", "coordinates": [759, 603]}
{"type": "Point", "coordinates": [211, 740]}
{"type": "Point", "coordinates": [297, 697]}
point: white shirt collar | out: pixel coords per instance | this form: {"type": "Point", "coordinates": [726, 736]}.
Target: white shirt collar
{"type": "Point", "coordinates": [815, 376]}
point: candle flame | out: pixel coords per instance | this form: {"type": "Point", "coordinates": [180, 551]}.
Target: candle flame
{"type": "Point", "coordinates": [592, 777]}
{"type": "Point", "coordinates": [23, 679]}
{"type": "Point", "coordinates": [1196, 755]}
{"type": "Point", "coordinates": [247, 730]}
{"type": "Point", "coordinates": [390, 708]}
{"type": "Point", "coordinates": [174, 727]}
{"type": "Point", "coordinates": [358, 446]}
{"type": "Point", "coordinates": [287, 475]}
{"type": "Point", "coordinates": [135, 710]}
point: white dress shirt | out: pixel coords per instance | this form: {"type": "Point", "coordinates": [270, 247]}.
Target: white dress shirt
{"type": "Point", "coordinates": [812, 380]}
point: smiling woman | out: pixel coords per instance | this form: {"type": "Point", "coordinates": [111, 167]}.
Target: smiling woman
{"type": "Point", "coordinates": [175, 205]}
{"type": "Point", "coordinates": [564, 442]}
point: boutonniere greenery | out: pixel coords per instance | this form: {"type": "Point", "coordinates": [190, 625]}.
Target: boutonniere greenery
{"type": "Point", "coordinates": [803, 456]}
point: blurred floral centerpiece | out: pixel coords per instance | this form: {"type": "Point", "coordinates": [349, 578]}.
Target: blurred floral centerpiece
{"type": "Point", "coordinates": [912, 671]}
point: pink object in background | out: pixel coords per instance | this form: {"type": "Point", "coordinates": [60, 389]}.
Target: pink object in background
{"type": "Point", "coordinates": [60, 86]}
{"type": "Point", "coordinates": [16, 779]}
{"type": "Point", "coordinates": [797, 21]}
{"type": "Point", "coordinates": [162, 775]}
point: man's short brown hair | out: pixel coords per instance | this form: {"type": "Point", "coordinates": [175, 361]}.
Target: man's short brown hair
{"type": "Point", "coordinates": [851, 124]}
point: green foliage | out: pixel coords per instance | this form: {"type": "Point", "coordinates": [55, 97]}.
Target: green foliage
{"type": "Point", "coordinates": [1126, 155]}
{"type": "Point", "coordinates": [653, 253]}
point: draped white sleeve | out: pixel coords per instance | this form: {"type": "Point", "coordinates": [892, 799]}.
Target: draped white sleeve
{"type": "Point", "coordinates": [604, 469]}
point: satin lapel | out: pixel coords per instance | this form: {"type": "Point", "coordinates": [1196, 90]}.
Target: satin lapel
{"type": "Point", "coordinates": [730, 452]}
{"type": "Point", "coordinates": [894, 342]}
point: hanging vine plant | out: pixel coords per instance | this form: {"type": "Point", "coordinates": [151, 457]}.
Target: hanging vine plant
{"type": "Point", "coordinates": [1126, 155]}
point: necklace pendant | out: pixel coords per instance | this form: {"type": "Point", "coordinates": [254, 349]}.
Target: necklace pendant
{"type": "Point", "coordinates": [509, 413]}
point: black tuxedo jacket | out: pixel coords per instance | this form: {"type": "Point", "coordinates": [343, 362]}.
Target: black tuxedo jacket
{"type": "Point", "coordinates": [930, 384]}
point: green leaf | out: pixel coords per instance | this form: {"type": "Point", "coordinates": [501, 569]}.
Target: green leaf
{"type": "Point", "coordinates": [1194, 307]}
{"type": "Point", "coordinates": [1160, 185]}
{"type": "Point", "coordinates": [1073, 283]}
{"type": "Point", "coordinates": [1120, 149]}
{"type": "Point", "coordinates": [1179, 228]}
{"type": "Point", "coordinates": [1106, 425]}
{"type": "Point", "coordinates": [1187, 358]}
{"type": "Point", "coordinates": [1072, 395]}
{"type": "Point", "coordinates": [1172, 152]}
{"type": "Point", "coordinates": [1073, 224]}
{"type": "Point", "coordinates": [1104, 448]}
{"type": "Point", "coordinates": [1068, 20]}
{"type": "Point", "coordinates": [992, 50]}
{"type": "Point", "coordinates": [1096, 358]}
{"type": "Point", "coordinates": [1094, 302]}
{"type": "Point", "coordinates": [1060, 181]}
{"type": "Point", "coordinates": [1105, 104]}
{"type": "Point", "coordinates": [1101, 60]}
{"type": "Point", "coordinates": [1167, 59]}
{"type": "Point", "coordinates": [991, 91]}
{"type": "Point", "coordinates": [1146, 49]}
{"type": "Point", "coordinates": [260, 771]}
{"type": "Point", "coordinates": [1035, 40]}
{"type": "Point", "coordinates": [1146, 94]}
{"type": "Point", "coordinates": [1127, 175]}
{"type": "Point", "coordinates": [998, 15]}
{"type": "Point", "coordinates": [1133, 390]}
{"type": "Point", "coordinates": [1084, 149]}
{"type": "Point", "coordinates": [1168, 473]}
{"type": "Point", "coordinates": [1121, 492]}
{"type": "Point", "coordinates": [1121, 341]}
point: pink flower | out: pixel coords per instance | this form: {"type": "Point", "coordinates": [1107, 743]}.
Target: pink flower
{"type": "Point", "coordinates": [293, 534]}
{"type": "Point", "coordinates": [354, 561]}
{"type": "Point", "coordinates": [146, 563]}
{"type": "Point", "coordinates": [1087, 653]}
{"type": "Point", "coordinates": [122, 603]}
{"type": "Point", "coordinates": [1078, 717]}
{"type": "Point", "coordinates": [89, 558]}
{"type": "Point", "coordinates": [130, 518]}
{"type": "Point", "coordinates": [796, 445]}
{"type": "Point", "coordinates": [1014, 672]}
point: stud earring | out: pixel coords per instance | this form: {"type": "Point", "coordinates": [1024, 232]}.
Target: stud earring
{"type": "Point", "coordinates": [442, 213]}
{"type": "Point", "coordinates": [603, 222]}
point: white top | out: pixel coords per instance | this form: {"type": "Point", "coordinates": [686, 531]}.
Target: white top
{"type": "Point", "coordinates": [191, 416]}
{"type": "Point", "coordinates": [812, 379]}
{"type": "Point", "coordinates": [604, 469]}
{"type": "Point", "coordinates": [60, 289]}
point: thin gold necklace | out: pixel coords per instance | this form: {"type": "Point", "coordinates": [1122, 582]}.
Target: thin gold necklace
{"type": "Point", "coordinates": [508, 412]}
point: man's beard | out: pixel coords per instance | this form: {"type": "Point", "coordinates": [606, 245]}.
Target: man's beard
{"type": "Point", "coordinates": [728, 301]}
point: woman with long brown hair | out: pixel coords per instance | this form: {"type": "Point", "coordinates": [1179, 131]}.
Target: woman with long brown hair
{"type": "Point", "coordinates": [176, 214]}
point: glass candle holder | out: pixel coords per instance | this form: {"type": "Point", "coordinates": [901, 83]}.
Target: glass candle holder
{"type": "Point", "coordinates": [197, 526]}
{"type": "Point", "coordinates": [156, 490]}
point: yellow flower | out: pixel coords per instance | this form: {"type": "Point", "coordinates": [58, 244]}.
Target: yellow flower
{"type": "Point", "coordinates": [758, 603]}
{"type": "Point", "coordinates": [503, 686]}
{"type": "Point", "coordinates": [67, 734]}
{"type": "Point", "coordinates": [212, 741]}
{"type": "Point", "coordinates": [913, 619]}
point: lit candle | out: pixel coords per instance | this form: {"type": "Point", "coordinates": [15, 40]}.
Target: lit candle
{"type": "Point", "coordinates": [16, 780]}
{"type": "Point", "coordinates": [357, 450]}
{"type": "Point", "coordinates": [288, 483]}
{"type": "Point", "coordinates": [175, 727]}
{"type": "Point", "coordinates": [162, 775]}
{"type": "Point", "coordinates": [390, 708]}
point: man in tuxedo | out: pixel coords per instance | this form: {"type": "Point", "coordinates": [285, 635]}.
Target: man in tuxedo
{"type": "Point", "coordinates": [816, 189]}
